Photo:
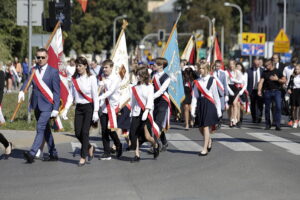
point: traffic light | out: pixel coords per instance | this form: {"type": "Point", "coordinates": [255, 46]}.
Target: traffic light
{"type": "Point", "coordinates": [161, 34]}
{"type": "Point", "coordinates": [60, 10]}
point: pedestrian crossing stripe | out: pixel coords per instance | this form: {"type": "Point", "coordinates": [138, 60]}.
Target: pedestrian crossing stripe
{"type": "Point", "coordinates": [290, 146]}
{"type": "Point", "coordinates": [233, 143]}
{"type": "Point", "coordinates": [296, 134]}
{"type": "Point", "coordinates": [182, 142]}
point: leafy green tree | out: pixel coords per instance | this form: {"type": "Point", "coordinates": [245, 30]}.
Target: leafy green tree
{"type": "Point", "coordinates": [92, 31]}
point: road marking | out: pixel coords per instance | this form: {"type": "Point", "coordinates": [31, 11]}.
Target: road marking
{"type": "Point", "coordinates": [290, 146]}
{"type": "Point", "coordinates": [233, 143]}
{"type": "Point", "coordinates": [182, 142]}
{"type": "Point", "coordinates": [296, 134]}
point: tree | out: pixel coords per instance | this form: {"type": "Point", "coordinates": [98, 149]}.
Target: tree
{"type": "Point", "coordinates": [92, 31]}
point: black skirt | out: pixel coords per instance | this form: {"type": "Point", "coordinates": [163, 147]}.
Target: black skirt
{"type": "Point", "coordinates": [206, 113]}
{"type": "Point", "coordinates": [235, 90]}
{"type": "Point", "coordinates": [188, 95]}
{"type": "Point", "coordinates": [123, 118]}
{"type": "Point", "coordinates": [295, 97]}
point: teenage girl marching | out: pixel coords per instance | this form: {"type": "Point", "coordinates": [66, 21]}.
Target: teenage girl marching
{"type": "Point", "coordinates": [206, 105]}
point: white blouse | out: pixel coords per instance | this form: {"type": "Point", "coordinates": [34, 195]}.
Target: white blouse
{"type": "Point", "coordinates": [297, 82]}
{"type": "Point", "coordinates": [146, 94]}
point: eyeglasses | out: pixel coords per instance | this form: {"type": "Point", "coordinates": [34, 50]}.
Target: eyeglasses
{"type": "Point", "coordinates": [40, 57]}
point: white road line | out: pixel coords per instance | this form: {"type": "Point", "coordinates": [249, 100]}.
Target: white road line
{"type": "Point", "coordinates": [233, 143]}
{"type": "Point", "coordinates": [297, 134]}
{"type": "Point", "coordinates": [290, 146]}
{"type": "Point", "coordinates": [182, 142]}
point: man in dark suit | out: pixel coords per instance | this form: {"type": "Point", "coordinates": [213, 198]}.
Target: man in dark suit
{"type": "Point", "coordinates": [256, 102]}
{"type": "Point", "coordinates": [45, 101]}
{"type": "Point", "coordinates": [277, 63]}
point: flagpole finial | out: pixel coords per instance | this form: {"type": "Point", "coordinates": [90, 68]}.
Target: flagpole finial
{"type": "Point", "coordinates": [125, 24]}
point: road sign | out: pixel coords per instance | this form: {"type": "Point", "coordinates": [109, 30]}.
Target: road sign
{"type": "Point", "coordinates": [199, 44]}
{"type": "Point", "coordinates": [281, 43]}
{"type": "Point", "coordinates": [253, 38]}
{"type": "Point", "coordinates": [22, 12]}
{"type": "Point", "coordinates": [253, 50]}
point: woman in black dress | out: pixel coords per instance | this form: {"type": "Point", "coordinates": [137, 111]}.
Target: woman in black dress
{"type": "Point", "coordinates": [206, 104]}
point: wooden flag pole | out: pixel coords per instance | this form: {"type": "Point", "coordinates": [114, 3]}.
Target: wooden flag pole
{"type": "Point", "coordinates": [169, 39]}
{"type": "Point", "coordinates": [124, 26]}
{"type": "Point", "coordinates": [33, 71]}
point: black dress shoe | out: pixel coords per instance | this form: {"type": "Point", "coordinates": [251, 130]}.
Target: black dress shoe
{"type": "Point", "coordinates": [278, 128]}
{"type": "Point", "coordinates": [203, 154]}
{"type": "Point", "coordinates": [112, 150]}
{"type": "Point", "coordinates": [135, 159]}
{"type": "Point", "coordinates": [119, 151]}
{"type": "Point", "coordinates": [28, 157]}
{"type": "Point", "coordinates": [81, 164]}
{"type": "Point", "coordinates": [238, 125]}
{"type": "Point", "coordinates": [164, 147]}
{"type": "Point", "coordinates": [51, 158]}
{"type": "Point", "coordinates": [209, 148]}
{"type": "Point", "coordinates": [90, 158]}
{"type": "Point", "coordinates": [156, 152]}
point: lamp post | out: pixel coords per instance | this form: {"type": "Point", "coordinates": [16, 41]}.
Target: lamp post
{"type": "Point", "coordinates": [209, 23]}
{"type": "Point", "coordinates": [241, 14]}
{"type": "Point", "coordinates": [114, 31]}
{"type": "Point", "coordinates": [284, 15]}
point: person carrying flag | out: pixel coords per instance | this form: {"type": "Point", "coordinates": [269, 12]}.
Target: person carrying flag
{"type": "Point", "coordinates": [45, 101]}
{"type": "Point", "coordinates": [161, 82]}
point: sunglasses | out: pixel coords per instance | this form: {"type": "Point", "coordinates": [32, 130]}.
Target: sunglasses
{"type": "Point", "coordinates": [40, 57]}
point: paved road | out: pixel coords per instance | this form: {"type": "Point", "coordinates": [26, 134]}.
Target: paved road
{"type": "Point", "coordinates": [247, 163]}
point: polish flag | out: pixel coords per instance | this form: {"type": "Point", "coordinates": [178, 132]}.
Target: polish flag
{"type": "Point", "coordinates": [55, 54]}
{"type": "Point", "coordinates": [217, 53]}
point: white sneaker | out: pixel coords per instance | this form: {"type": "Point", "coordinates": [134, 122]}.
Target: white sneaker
{"type": "Point", "coordinates": [295, 125]}
{"type": "Point", "coordinates": [39, 154]}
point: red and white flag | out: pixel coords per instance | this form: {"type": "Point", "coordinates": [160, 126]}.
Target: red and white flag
{"type": "Point", "coordinates": [55, 54]}
{"type": "Point", "coordinates": [217, 53]}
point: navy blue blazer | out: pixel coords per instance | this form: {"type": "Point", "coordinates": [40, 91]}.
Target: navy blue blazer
{"type": "Point", "coordinates": [38, 100]}
{"type": "Point", "coordinates": [250, 78]}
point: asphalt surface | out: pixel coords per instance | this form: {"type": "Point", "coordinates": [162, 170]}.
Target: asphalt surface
{"type": "Point", "coordinates": [247, 163]}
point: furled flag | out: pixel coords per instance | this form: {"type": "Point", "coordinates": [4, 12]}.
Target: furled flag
{"type": "Point", "coordinates": [55, 53]}
{"type": "Point", "coordinates": [217, 53]}
{"type": "Point", "coordinates": [83, 4]}
{"type": "Point", "coordinates": [171, 53]}
{"type": "Point", "coordinates": [121, 66]}
{"type": "Point", "coordinates": [189, 52]}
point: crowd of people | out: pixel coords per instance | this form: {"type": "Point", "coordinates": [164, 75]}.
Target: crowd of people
{"type": "Point", "coordinates": [144, 116]}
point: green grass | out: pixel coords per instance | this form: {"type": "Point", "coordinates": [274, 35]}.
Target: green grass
{"type": "Point", "coordinates": [9, 104]}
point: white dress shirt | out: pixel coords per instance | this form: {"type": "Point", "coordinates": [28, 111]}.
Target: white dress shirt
{"type": "Point", "coordinates": [287, 72]}
{"type": "Point", "coordinates": [256, 75]}
{"type": "Point", "coordinates": [146, 93]}
{"type": "Point", "coordinates": [297, 82]}
{"type": "Point", "coordinates": [42, 70]}
{"type": "Point", "coordinates": [245, 82]}
{"type": "Point", "coordinates": [213, 92]}
{"type": "Point", "coordinates": [88, 85]}
{"type": "Point", "coordinates": [111, 85]}
{"type": "Point", "coordinates": [163, 87]}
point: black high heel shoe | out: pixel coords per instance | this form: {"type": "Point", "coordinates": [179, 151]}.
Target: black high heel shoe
{"type": "Point", "coordinates": [90, 158]}
{"type": "Point", "coordinates": [203, 154]}
{"type": "Point", "coordinates": [81, 164]}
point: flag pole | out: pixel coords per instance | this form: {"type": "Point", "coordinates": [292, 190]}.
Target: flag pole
{"type": "Point", "coordinates": [169, 39]}
{"type": "Point", "coordinates": [33, 70]}
{"type": "Point", "coordinates": [124, 26]}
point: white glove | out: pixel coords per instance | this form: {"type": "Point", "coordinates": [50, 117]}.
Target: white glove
{"type": "Point", "coordinates": [241, 92]}
{"type": "Point", "coordinates": [21, 96]}
{"type": "Point", "coordinates": [145, 115]}
{"type": "Point", "coordinates": [230, 92]}
{"type": "Point", "coordinates": [95, 116]}
{"type": "Point", "coordinates": [54, 113]}
{"type": "Point", "coordinates": [226, 98]}
{"type": "Point", "coordinates": [64, 114]}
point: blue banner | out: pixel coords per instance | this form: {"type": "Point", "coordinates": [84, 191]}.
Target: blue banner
{"type": "Point", "coordinates": [253, 49]}
{"type": "Point", "coordinates": [176, 90]}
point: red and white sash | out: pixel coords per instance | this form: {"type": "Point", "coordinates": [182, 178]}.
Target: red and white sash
{"type": "Point", "coordinates": [219, 83]}
{"type": "Point", "coordinates": [112, 117]}
{"type": "Point", "coordinates": [155, 127]}
{"type": "Point", "coordinates": [44, 89]}
{"type": "Point", "coordinates": [236, 84]}
{"type": "Point", "coordinates": [166, 97]}
{"type": "Point", "coordinates": [89, 99]}
{"type": "Point", "coordinates": [204, 91]}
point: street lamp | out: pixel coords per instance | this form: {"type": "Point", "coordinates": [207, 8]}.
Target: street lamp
{"type": "Point", "coordinates": [114, 31]}
{"type": "Point", "coordinates": [209, 23]}
{"type": "Point", "coordinates": [241, 14]}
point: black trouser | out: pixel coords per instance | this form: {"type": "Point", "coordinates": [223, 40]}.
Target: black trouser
{"type": "Point", "coordinates": [4, 141]}
{"type": "Point", "coordinates": [82, 124]}
{"type": "Point", "coordinates": [159, 113]}
{"type": "Point", "coordinates": [137, 130]}
{"type": "Point", "coordinates": [256, 106]}
{"type": "Point", "coordinates": [106, 133]}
